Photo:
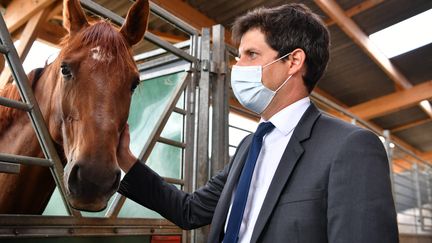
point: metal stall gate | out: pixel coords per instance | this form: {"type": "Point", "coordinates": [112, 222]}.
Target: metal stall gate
{"type": "Point", "coordinates": [192, 77]}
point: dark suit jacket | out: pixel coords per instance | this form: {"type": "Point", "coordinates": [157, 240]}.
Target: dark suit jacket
{"type": "Point", "coordinates": [332, 185]}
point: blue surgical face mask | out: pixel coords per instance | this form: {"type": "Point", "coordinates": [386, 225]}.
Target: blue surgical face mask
{"type": "Point", "coordinates": [246, 82]}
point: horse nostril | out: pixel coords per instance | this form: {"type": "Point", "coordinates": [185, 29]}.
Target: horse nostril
{"type": "Point", "coordinates": [74, 179]}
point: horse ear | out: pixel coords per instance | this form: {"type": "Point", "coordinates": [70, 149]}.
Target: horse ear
{"type": "Point", "coordinates": [74, 18]}
{"type": "Point", "coordinates": [135, 25]}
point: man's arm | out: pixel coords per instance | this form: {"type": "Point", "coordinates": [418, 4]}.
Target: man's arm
{"type": "Point", "coordinates": [144, 186]}
{"type": "Point", "coordinates": [360, 202]}
{"type": "Point", "coordinates": [187, 210]}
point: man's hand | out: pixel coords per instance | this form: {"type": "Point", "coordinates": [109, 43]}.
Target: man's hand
{"type": "Point", "coordinates": [125, 157]}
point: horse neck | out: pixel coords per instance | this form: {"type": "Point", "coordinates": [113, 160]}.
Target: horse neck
{"type": "Point", "coordinates": [16, 132]}
{"type": "Point", "coordinates": [47, 93]}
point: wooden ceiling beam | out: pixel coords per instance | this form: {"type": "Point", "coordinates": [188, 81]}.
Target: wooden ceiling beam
{"type": "Point", "coordinates": [410, 125]}
{"type": "Point", "coordinates": [167, 36]}
{"type": "Point", "coordinates": [26, 40]}
{"type": "Point", "coordinates": [393, 102]}
{"type": "Point", "coordinates": [190, 15]}
{"type": "Point", "coordinates": [361, 7]}
{"type": "Point", "coordinates": [334, 11]}
{"type": "Point", "coordinates": [18, 12]}
{"type": "Point", "coordinates": [427, 156]}
{"type": "Point", "coordinates": [51, 33]}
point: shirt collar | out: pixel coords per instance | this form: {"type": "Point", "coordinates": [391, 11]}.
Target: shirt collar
{"type": "Point", "coordinates": [286, 119]}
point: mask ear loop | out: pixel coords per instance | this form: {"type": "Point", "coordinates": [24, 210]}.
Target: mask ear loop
{"type": "Point", "coordinates": [268, 64]}
{"type": "Point", "coordinates": [283, 84]}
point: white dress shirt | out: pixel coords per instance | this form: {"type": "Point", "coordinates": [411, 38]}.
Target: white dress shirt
{"type": "Point", "coordinates": [274, 144]}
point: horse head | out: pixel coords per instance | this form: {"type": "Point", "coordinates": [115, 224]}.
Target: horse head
{"type": "Point", "coordinates": [96, 75]}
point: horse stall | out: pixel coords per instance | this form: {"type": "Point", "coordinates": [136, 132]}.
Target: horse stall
{"type": "Point", "coordinates": [178, 121]}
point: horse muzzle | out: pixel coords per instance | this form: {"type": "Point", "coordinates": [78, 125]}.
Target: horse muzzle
{"type": "Point", "coordinates": [88, 188]}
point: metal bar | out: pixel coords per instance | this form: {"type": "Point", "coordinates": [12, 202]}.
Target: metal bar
{"type": "Point", "coordinates": [55, 226]}
{"type": "Point", "coordinates": [15, 104]}
{"type": "Point", "coordinates": [78, 231]}
{"type": "Point", "coordinates": [174, 20]}
{"type": "Point", "coordinates": [166, 45]}
{"type": "Point", "coordinates": [202, 149]}
{"type": "Point", "coordinates": [44, 220]}
{"type": "Point", "coordinates": [151, 141]}
{"type": "Point", "coordinates": [190, 129]}
{"type": "Point", "coordinates": [115, 206]}
{"type": "Point", "coordinates": [99, 10]}
{"type": "Point", "coordinates": [403, 185]}
{"type": "Point", "coordinates": [25, 160]}
{"type": "Point", "coordinates": [160, 51]}
{"type": "Point", "coordinates": [399, 194]}
{"type": "Point", "coordinates": [35, 114]}
{"type": "Point", "coordinates": [4, 49]}
{"type": "Point", "coordinates": [407, 205]}
{"type": "Point", "coordinates": [157, 62]}
{"type": "Point", "coordinates": [174, 180]}
{"type": "Point", "coordinates": [180, 111]}
{"type": "Point", "coordinates": [171, 142]}
{"type": "Point", "coordinates": [418, 194]}
{"type": "Point", "coordinates": [389, 152]}
{"type": "Point", "coordinates": [9, 168]}
{"type": "Point", "coordinates": [219, 153]}
{"type": "Point", "coordinates": [241, 129]}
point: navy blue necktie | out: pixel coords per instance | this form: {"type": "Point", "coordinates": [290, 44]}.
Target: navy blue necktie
{"type": "Point", "coordinates": [241, 194]}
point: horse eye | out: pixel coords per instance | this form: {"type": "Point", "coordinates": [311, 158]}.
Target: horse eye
{"type": "Point", "coordinates": [65, 71]}
{"type": "Point", "coordinates": [135, 83]}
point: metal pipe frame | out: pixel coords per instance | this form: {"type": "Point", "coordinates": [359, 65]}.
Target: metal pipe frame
{"type": "Point", "coordinates": [25, 160]}
{"type": "Point", "coordinates": [9, 168]}
{"type": "Point", "coordinates": [203, 118]}
{"type": "Point", "coordinates": [220, 97]}
{"type": "Point", "coordinates": [174, 20]}
{"type": "Point", "coordinates": [35, 114]}
{"type": "Point", "coordinates": [4, 49]}
{"type": "Point", "coordinates": [15, 104]}
{"type": "Point", "coordinates": [190, 127]}
{"type": "Point", "coordinates": [66, 226]}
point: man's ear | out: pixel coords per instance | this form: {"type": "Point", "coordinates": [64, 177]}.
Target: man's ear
{"type": "Point", "coordinates": [296, 61]}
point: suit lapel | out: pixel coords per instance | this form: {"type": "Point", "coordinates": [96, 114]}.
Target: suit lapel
{"type": "Point", "coordinates": [289, 159]}
{"type": "Point", "coordinates": [221, 211]}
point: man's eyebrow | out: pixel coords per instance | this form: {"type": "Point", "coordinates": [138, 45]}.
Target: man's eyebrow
{"type": "Point", "coordinates": [249, 49]}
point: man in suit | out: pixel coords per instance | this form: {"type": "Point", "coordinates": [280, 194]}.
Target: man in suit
{"type": "Point", "coordinates": [305, 177]}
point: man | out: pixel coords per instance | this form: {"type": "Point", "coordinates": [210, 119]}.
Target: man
{"type": "Point", "coordinates": [303, 177]}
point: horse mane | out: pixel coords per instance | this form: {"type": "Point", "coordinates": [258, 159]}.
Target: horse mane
{"type": "Point", "coordinates": [10, 91]}
{"type": "Point", "coordinates": [110, 41]}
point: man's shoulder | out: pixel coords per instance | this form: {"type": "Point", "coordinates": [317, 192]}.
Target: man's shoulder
{"type": "Point", "coordinates": [337, 125]}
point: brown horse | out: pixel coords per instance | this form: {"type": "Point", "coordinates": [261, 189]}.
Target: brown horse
{"type": "Point", "coordinates": [84, 96]}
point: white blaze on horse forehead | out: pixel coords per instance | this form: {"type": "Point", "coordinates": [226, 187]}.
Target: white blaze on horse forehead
{"type": "Point", "coordinates": [97, 55]}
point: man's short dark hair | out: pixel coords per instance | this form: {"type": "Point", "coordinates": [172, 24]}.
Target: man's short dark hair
{"type": "Point", "coordinates": [286, 28]}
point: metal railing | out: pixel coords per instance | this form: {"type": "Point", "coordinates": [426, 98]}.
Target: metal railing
{"type": "Point", "coordinates": [29, 104]}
